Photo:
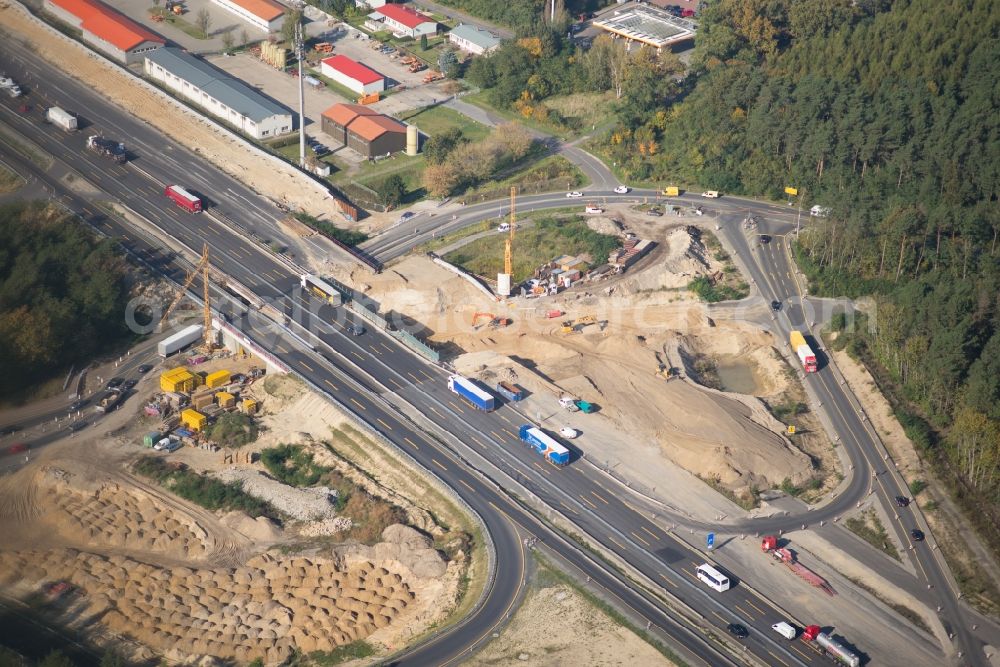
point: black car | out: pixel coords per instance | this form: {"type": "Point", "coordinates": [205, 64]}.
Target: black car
{"type": "Point", "coordinates": [355, 329]}
{"type": "Point", "coordinates": [655, 212]}
{"type": "Point", "coordinates": [902, 501]}
{"type": "Point", "coordinates": [115, 383]}
{"type": "Point", "coordinates": [145, 368]}
{"type": "Point", "coordinates": [737, 630]}
{"type": "Point", "coordinates": [76, 405]}
{"type": "Point", "coordinates": [775, 305]}
{"type": "Point", "coordinates": [128, 384]}
{"type": "Point", "coordinates": [77, 426]}
{"type": "Point", "coordinates": [917, 535]}
{"type": "Point", "coordinates": [765, 239]}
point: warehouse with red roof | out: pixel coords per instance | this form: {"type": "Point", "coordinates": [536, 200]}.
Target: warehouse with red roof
{"type": "Point", "coordinates": [364, 130]}
{"type": "Point", "coordinates": [403, 21]}
{"type": "Point", "coordinates": [106, 29]}
{"type": "Point", "coordinates": [353, 75]}
{"type": "Point", "coordinates": [266, 15]}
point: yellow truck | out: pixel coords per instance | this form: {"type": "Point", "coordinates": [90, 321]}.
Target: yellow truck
{"type": "Point", "coordinates": [671, 191]}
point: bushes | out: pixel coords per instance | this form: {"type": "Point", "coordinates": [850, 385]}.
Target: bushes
{"type": "Point", "coordinates": [291, 465]}
{"type": "Point", "coordinates": [468, 165]}
{"type": "Point", "coordinates": [233, 430]}
{"type": "Point", "coordinates": [707, 291]}
{"type": "Point", "coordinates": [345, 236]}
{"type": "Point", "coordinates": [203, 490]}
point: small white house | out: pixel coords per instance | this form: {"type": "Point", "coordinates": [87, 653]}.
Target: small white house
{"type": "Point", "coordinates": [473, 39]}
{"type": "Point", "coordinates": [403, 21]}
{"type": "Point", "coordinates": [266, 15]}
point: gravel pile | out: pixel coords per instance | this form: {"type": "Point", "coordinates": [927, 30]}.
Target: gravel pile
{"type": "Point", "coordinates": [311, 504]}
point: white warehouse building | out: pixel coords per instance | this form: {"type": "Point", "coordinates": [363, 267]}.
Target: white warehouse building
{"type": "Point", "coordinates": [221, 95]}
{"type": "Point", "coordinates": [266, 15]}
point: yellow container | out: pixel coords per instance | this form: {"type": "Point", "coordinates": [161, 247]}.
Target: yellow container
{"type": "Point", "coordinates": [194, 420]}
{"type": "Point", "coordinates": [217, 379]}
{"type": "Point", "coordinates": [225, 399]}
{"type": "Point", "coordinates": [178, 380]}
{"type": "Point", "coordinates": [249, 406]}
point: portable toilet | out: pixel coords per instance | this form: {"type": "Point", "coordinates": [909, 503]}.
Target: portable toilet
{"type": "Point", "coordinates": [217, 379]}
{"type": "Point", "coordinates": [150, 438]}
{"type": "Point", "coordinates": [194, 420]}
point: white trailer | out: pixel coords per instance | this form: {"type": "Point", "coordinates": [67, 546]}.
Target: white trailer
{"type": "Point", "coordinates": [63, 119]}
{"type": "Point", "coordinates": [179, 340]}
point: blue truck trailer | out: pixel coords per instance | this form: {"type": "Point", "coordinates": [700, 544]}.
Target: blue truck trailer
{"type": "Point", "coordinates": [510, 391]}
{"type": "Point", "coordinates": [544, 445]}
{"type": "Point", "coordinates": [479, 398]}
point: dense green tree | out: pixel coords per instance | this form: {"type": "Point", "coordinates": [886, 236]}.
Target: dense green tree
{"type": "Point", "coordinates": [437, 147]}
{"type": "Point", "coordinates": [392, 190]}
{"type": "Point", "coordinates": [56, 659]}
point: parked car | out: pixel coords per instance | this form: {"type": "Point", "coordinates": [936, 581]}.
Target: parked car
{"type": "Point", "coordinates": [574, 194]}
{"type": "Point", "coordinates": [621, 190]}
{"type": "Point", "coordinates": [655, 212]}
{"type": "Point", "coordinates": [765, 239]}
{"type": "Point", "coordinates": [568, 432]}
{"type": "Point", "coordinates": [710, 194]}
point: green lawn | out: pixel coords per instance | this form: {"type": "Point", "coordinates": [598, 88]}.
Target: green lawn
{"type": "Point", "coordinates": [553, 172]}
{"type": "Point", "coordinates": [9, 181]}
{"type": "Point", "coordinates": [343, 91]}
{"type": "Point", "coordinates": [436, 119]}
{"type": "Point", "coordinates": [547, 239]}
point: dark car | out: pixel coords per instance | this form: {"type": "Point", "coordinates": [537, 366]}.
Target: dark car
{"type": "Point", "coordinates": [355, 329]}
{"type": "Point", "coordinates": [8, 430]}
{"type": "Point", "coordinates": [917, 535]}
{"type": "Point", "coordinates": [129, 384]}
{"type": "Point", "coordinates": [775, 305]}
{"type": "Point", "coordinates": [76, 405]}
{"type": "Point", "coordinates": [655, 212]}
{"type": "Point", "coordinates": [737, 630]}
{"type": "Point", "coordinates": [145, 368]}
{"type": "Point", "coordinates": [902, 501]}
{"type": "Point", "coordinates": [17, 448]}
{"type": "Point", "coordinates": [115, 383]}
{"type": "Point", "coordinates": [77, 426]}
{"type": "Point", "coordinates": [765, 239]}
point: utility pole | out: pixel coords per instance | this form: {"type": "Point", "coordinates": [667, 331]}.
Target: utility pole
{"type": "Point", "coordinates": [552, 17]}
{"type": "Point", "coordinates": [299, 55]}
{"type": "Point", "coordinates": [798, 218]}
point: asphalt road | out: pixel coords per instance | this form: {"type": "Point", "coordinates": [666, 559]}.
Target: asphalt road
{"type": "Point", "coordinates": [383, 370]}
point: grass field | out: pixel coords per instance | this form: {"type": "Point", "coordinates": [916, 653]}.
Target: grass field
{"type": "Point", "coordinates": [533, 246]}
{"type": "Point", "coordinates": [9, 181]}
{"type": "Point", "coordinates": [437, 119]}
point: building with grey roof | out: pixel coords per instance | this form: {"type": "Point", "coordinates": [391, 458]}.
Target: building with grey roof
{"type": "Point", "coordinates": [473, 39]}
{"type": "Point", "coordinates": [218, 93]}
{"type": "Point", "coordinates": [647, 25]}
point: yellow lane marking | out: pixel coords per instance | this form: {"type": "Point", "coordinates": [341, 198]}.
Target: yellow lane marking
{"type": "Point", "coordinates": [800, 653]}
{"type": "Point", "coordinates": [332, 385]}
{"type": "Point", "coordinates": [379, 420]}
{"type": "Point", "coordinates": [639, 538]}
{"type": "Point", "coordinates": [620, 545]}
{"type": "Point", "coordinates": [651, 533]}
{"type": "Point", "coordinates": [415, 378]}
{"type": "Point", "coordinates": [668, 580]}
{"type": "Point", "coordinates": [387, 348]}
{"type": "Point", "coordinates": [540, 467]}
{"type": "Point", "coordinates": [584, 499]}
{"type": "Point", "coordinates": [510, 434]}
{"type": "Point", "coordinates": [435, 411]}
{"type": "Point", "coordinates": [477, 441]}
{"type": "Point", "coordinates": [438, 464]}
{"type": "Point", "coordinates": [599, 498]}
{"type": "Point", "coordinates": [466, 485]}
{"type": "Point", "coordinates": [496, 435]}
{"type": "Point", "coordinates": [750, 602]}
{"type": "Point", "coordinates": [305, 365]}
{"type": "Point", "coordinates": [410, 442]}
{"type": "Point", "coordinates": [357, 355]}
{"type": "Point", "coordinates": [358, 404]}
{"type": "Point", "coordinates": [778, 659]}
{"type": "Point", "coordinates": [721, 617]}
{"type": "Point", "coordinates": [567, 507]}
{"type": "Point", "coordinates": [505, 419]}
{"type": "Point", "coordinates": [743, 611]}
{"type": "Point", "coordinates": [398, 386]}
{"type": "Point", "coordinates": [426, 374]}
{"type": "Point", "coordinates": [456, 406]}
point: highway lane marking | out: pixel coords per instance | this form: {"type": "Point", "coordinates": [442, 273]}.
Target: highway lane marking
{"type": "Point", "coordinates": [494, 434]}
{"type": "Point", "coordinates": [357, 355]}
{"type": "Point", "coordinates": [305, 366]}
{"type": "Point", "coordinates": [567, 507]}
{"type": "Point", "coordinates": [503, 417]}
{"type": "Point", "coordinates": [332, 385]}
{"type": "Point", "coordinates": [651, 533]}
{"type": "Point", "coordinates": [620, 545]}
{"type": "Point", "coordinates": [455, 405]}
{"type": "Point", "coordinates": [808, 659]}
{"type": "Point", "coordinates": [380, 421]}
{"type": "Point", "coordinates": [599, 498]}
{"type": "Point", "coordinates": [439, 464]}
{"type": "Point", "coordinates": [411, 443]}
{"type": "Point", "coordinates": [212, 229]}
{"type": "Point", "coordinates": [720, 617]}
{"type": "Point", "coordinates": [510, 434]}
{"type": "Point", "coordinates": [435, 411]}
{"type": "Point", "coordinates": [668, 580]}
{"type": "Point", "coordinates": [750, 602]}
{"type": "Point", "coordinates": [353, 400]}
{"type": "Point", "coordinates": [374, 350]}
{"type": "Point", "coordinates": [387, 348]}
{"type": "Point", "coordinates": [426, 374]}
{"type": "Point", "coordinates": [540, 467]}
{"type": "Point", "coordinates": [777, 658]}
{"type": "Point", "coordinates": [592, 505]}
{"type": "Point", "coordinates": [640, 539]}
{"type": "Point", "coordinates": [477, 441]}
{"type": "Point", "coordinates": [743, 611]}
{"type": "Point", "coordinates": [398, 386]}
{"type": "Point", "coordinates": [415, 379]}
{"type": "Point", "coordinates": [466, 485]}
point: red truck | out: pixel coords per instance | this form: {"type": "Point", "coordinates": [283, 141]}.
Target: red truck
{"type": "Point", "coordinates": [805, 354]}
{"type": "Point", "coordinates": [183, 198]}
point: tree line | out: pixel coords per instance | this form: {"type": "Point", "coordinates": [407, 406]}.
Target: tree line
{"type": "Point", "coordinates": [62, 294]}
{"type": "Point", "coordinates": [886, 112]}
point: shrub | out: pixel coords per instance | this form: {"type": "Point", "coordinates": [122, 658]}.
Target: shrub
{"type": "Point", "coordinates": [233, 430]}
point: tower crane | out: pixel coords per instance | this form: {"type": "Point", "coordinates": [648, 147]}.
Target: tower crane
{"type": "Point", "coordinates": [504, 279]}
{"type": "Point", "coordinates": [202, 268]}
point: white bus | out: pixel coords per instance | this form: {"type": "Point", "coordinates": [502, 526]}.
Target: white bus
{"type": "Point", "coordinates": [321, 288]}
{"type": "Point", "coordinates": [713, 577]}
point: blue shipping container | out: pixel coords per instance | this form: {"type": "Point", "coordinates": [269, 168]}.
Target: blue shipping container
{"type": "Point", "coordinates": [470, 392]}
{"type": "Point", "coordinates": [544, 445]}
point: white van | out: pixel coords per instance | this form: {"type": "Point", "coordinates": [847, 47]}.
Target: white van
{"type": "Point", "coordinates": [710, 194]}
{"type": "Point", "coordinates": [504, 227]}
{"type": "Point", "coordinates": [819, 211]}
{"type": "Point", "coordinates": [786, 630]}
{"type": "Point", "coordinates": [594, 209]}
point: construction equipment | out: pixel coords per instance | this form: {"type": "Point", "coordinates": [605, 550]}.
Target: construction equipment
{"type": "Point", "coordinates": [785, 555]}
{"type": "Point", "coordinates": [570, 327]}
{"type": "Point", "coordinates": [417, 67]}
{"type": "Point", "coordinates": [202, 267]}
{"type": "Point", "coordinates": [324, 47]}
{"type": "Point", "coordinates": [494, 323]}
{"type": "Point", "coordinates": [371, 98]}
{"type": "Point", "coordinates": [504, 280]}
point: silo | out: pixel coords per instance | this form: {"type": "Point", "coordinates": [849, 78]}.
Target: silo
{"type": "Point", "coordinates": [412, 140]}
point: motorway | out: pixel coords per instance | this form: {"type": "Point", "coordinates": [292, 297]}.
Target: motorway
{"type": "Point", "coordinates": [377, 380]}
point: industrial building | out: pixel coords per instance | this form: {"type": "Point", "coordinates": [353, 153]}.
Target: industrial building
{"type": "Point", "coordinates": [106, 29]}
{"type": "Point", "coordinates": [647, 25]}
{"type": "Point", "coordinates": [473, 39]}
{"type": "Point", "coordinates": [218, 93]}
{"type": "Point", "coordinates": [353, 75]}
{"type": "Point", "coordinates": [364, 130]}
{"type": "Point", "coordinates": [402, 21]}
{"type": "Point", "coordinates": [266, 15]}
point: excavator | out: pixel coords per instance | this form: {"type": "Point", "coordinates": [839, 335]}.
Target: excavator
{"type": "Point", "coordinates": [494, 321]}
{"type": "Point", "coordinates": [570, 326]}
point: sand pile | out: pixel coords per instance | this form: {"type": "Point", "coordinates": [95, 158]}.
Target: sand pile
{"type": "Point", "coordinates": [403, 545]}
{"type": "Point", "coordinates": [101, 513]}
{"type": "Point", "coordinates": [262, 610]}
{"type": "Point", "coordinates": [683, 258]}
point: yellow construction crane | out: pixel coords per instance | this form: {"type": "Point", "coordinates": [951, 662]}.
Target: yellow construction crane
{"type": "Point", "coordinates": [508, 249]}
{"type": "Point", "coordinates": [202, 268]}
